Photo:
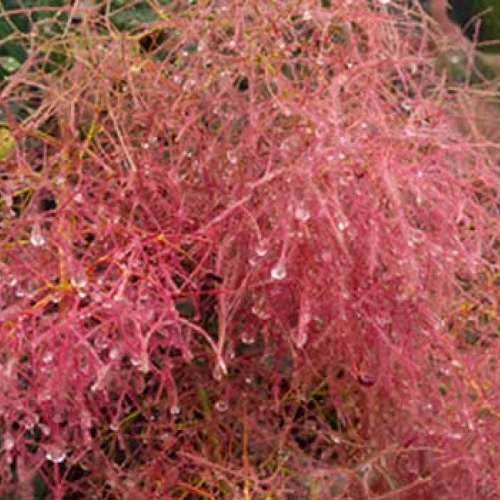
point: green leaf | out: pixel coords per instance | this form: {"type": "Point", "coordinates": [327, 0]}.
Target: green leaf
{"type": "Point", "coordinates": [9, 64]}
{"type": "Point", "coordinates": [488, 14]}
{"type": "Point", "coordinates": [7, 144]}
{"type": "Point", "coordinates": [133, 18]}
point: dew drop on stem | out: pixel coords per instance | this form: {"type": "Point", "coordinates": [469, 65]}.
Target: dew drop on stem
{"type": "Point", "coordinates": [248, 337]}
{"type": "Point", "coordinates": [44, 429]}
{"type": "Point", "coordinates": [36, 238]}
{"type": "Point", "coordinates": [59, 180]}
{"type": "Point", "coordinates": [217, 373]}
{"type": "Point", "coordinates": [307, 15]}
{"type": "Point", "coordinates": [302, 214]}
{"type": "Point", "coordinates": [261, 250]}
{"type": "Point", "coordinates": [78, 281]}
{"type": "Point", "coordinates": [278, 272]}
{"type": "Point", "coordinates": [114, 353]}
{"type": "Point", "coordinates": [8, 442]}
{"type": "Point", "coordinates": [300, 338]}
{"type": "Point", "coordinates": [260, 311]}
{"type": "Point", "coordinates": [221, 406]}
{"type": "Point", "coordinates": [47, 357]}
{"type": "Point", "coordinates": [232, 157]}
{"type": "Point", "coordinates": [55, 454]}
{"type": "Point", "coordinates": [343, 225]}
{"type": "Point", "coordinates": [366, 379]}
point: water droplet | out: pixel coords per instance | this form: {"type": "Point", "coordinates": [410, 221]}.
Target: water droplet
{"type": "Point", "coordinates": [343, 225]}
{"type": "Point", "coordinates": [384, 2]}
{"type": "Point", "coordinates": [78, 198]}
{"type": "Point", "coordinates": [44, 396]}
{"type": "Point", "coordinates": [145, 145]}
{"type": "Point", "coordinates": [248, 380]}
{"type": "Point", "coordinates": [221, 406]}
{"type": "Point", "coordinates": [307, 15]}
{"type": "Point", "coordinates": [217, 373]}
{"type": "Point", "coordinates": [48, 357]}
{"type": "Point", "coordinates": [364, 469]}
{"type": "Point", "coordinates": [8, 442]}
{"type": "Point", "coordinates": [326, 257]}
{"type": "Point", "coordinates": [260, 311]}
{"type": "Point", "coordinates": [60, 179]}
{"type": "Point", "coordinates": [55, 454]}
{"type": "Point", "coordinates": [230, 351]}
{"type": "Point", "coordinates": [320, 131]}
{"type": "Point", "coordinates": [175, 410]}
{"type": "Point", "coordinates": [248, 337]}
{"type": "Point", "coordinates": [278, 272]}
{"type": "Point", "coordinates": [31, 421]}
{"type": "Point", "coordinates": [299, 338]}
{"type": "Point", "coordinates": [189, 84]}
{"type": "Point", "coordinates": [78, 282]}
{"type": "Point", "coordinates": [302, 214]}
{"type": "Point", "coordinates": [261, 249]}
{"type": "Point", "coordinates": [406, 106]}
{"type": "Point", "coordinates": [45, 429]}
{"type": "Point", "coordinates": [410, 131]}
{"type": "Point", "coordinates": [114, 353]}
{"type": "Point", "coordinates": [232, 157]}
{"type": "Point", "coordinates": [366, 380]}
{"type": "Point", "coordinates": [36, 238]}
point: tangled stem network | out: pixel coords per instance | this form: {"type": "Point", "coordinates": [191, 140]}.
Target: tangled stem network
{"type": "Point", "coordinates": [248, 250]}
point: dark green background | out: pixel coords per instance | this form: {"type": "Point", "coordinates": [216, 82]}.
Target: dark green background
{"type": "Point", "coordinates": [464, 10]}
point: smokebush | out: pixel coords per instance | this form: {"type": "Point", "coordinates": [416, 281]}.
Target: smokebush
{"type": "Point", "coordinates": [248, 250]}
